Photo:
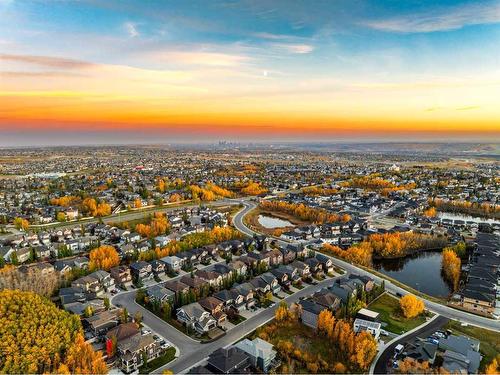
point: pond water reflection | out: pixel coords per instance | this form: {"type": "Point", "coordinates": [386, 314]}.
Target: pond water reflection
{"type": "Point", "coordinates": [421, 271]}
{"type": "Point", "coordinates": [272, 222]}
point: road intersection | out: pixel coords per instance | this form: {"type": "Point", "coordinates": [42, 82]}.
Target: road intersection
{"type": "Point", "coordinates": [192, 352]}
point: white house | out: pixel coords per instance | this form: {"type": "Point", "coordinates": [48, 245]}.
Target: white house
{"type": "Point", "coordinates": [366, 325]}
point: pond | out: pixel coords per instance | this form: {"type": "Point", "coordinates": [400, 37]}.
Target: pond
{"type": "Point", "coordinates": [271, 222]}
{"type": "Point", "coordinates": [421, 271]}
{"type": "Point", "coordinates": [453, 216]}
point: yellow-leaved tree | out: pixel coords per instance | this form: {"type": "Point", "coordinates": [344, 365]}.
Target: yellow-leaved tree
{"type": "Point", "coordinates": [103, 258]}
{"type": "Point", "coordinates": [411, 306]}
{"type": "Point", "coordinates": [38, 337]}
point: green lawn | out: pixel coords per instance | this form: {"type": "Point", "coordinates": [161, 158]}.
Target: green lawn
{"type": "Point", "coordinates": [156, 363]}
{"type": "Point", "coordinates": [388, 308]}
{"type": "Point", "coordinates": [237, 319]}
{"type": "Point", "coordinates": [490, 340]}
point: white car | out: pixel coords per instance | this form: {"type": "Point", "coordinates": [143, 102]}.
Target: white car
{"type": "Point", "coordinates": [165, 346]}
{"type": "Point", "coordinates": [145, 332]}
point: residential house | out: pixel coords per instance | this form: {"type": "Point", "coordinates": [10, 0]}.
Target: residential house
{"type": "Point", "coordinates": [132, 346]}
{"type": "Point", "coordinates": [282, 277]}
{"type": "Point", "coordinates": [247, 291]}
{"type": "Point", "coordinates": [121, 275]}
{"type": "Point", "coordinates": [141, 270]}
{"type": "Point", "coordinates": [105, 279]}
{"type": "Point", "coordinates": [302, 269]}
{"type": "Point", "coordinates": [91, 286]}
{"type": "Point", "coordinates": [272, 280]}
{"type": "Point", "coordinates": [157, 267]}
{"type": "Point", "coordinates": [102, 322]}
{"type": "Point", "coordinates": [194, 282]}
{"type": "Point", "coordinates": [172, 263]}
{"type": "Point", "coordinates": [215, 307]}
{"type": "Point", "coordinates": [177, 287]}
{"type": "Point", "coordinates": [238, 266]}
{"type": "Point", "coordinates": [196, 317]}
{"type": "Point", "coordinates": [261, 353]}
{"type": "Point", "coordinates": [275, 257]}
{"type": "Point", "coordinates": [214, 279]}
{"type": "Point", "coordinates": [309, 313]}
{"type": "Point", "coordinates": [366, 325]}
{"type": "Point", "coordinates": [160, 294]}
{"type": "Point", "coordinates": [326, 262]}
{"type": "Point", "coordinates": [327, 299]}
{"type": "Point", "coordinates": [314, 266]}
{"type": "Point", "coordinates": [228, 361]}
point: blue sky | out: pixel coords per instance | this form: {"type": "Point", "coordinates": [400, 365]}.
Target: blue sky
{"type": "Point", "coordinates": [329, 56]}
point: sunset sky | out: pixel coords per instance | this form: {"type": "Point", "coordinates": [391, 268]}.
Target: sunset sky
{"type": "Point", "coordinates": [74, 72]}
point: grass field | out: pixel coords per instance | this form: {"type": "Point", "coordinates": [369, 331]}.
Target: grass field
{"type": "Point", "coordinates": [388, 308]}
{"type": "Point", "coordinates": [490, 340]}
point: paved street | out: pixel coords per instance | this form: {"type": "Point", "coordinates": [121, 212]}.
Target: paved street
{"type": "Point", "coordinates": [438, 308]}
{"type": "Point", "coordinates": [201, 351]}
{"type": "Point", "coordinates": [192, 352]}
{"type": "Point", "coordinates": [424, 331]}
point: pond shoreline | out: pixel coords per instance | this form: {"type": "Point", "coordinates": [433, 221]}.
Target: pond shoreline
{"type": "Point", "coordinates": [412, 253]}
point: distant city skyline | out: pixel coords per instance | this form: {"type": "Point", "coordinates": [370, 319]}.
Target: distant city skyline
{"type": "Point", "coordinates": [121, 72]}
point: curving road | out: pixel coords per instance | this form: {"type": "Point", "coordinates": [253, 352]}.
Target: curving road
{"type": "Point", "coordinates": [437, 308]}
{"type": "Point", "coordinates": [192, 352]}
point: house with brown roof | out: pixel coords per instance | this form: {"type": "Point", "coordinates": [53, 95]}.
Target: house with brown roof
{"type": "Point", "coordinates": [215, 307]}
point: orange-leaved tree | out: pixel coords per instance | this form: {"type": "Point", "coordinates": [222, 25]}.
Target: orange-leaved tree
{"type": "Point", "coordinates": [103, 258]}
{"type": "Point", "coordinates": [451, 265]}
{"type": "Point", "coordinates": [411, 306]}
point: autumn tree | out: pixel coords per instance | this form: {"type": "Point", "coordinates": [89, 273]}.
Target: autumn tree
{"type": "Point", "coordinates": [411, 306]}
{"type": "Point", "coordinates": [175, 198]}
{"type": "Point", "coordinates": [37, 337]}
{"type": "Point", "coordinates": [138, 203]}
{"type": "Point", "coordinates": [161, 185]}
{"type": "Point", "coordinates": [430, 212]}
{"type": "Point", "coordinates": [365, 350]}
{"type": "Point", "coordinates": [326, 322]}
{"type": "Point", "coordinates": [93, 208]}
{"type": "Point", "coordinates": [61, 216]}
{"type": "Point", "coordinates": [494, 366]}
{"type": "Point", "coordinates": [31, 280]}
{"type": "Point", "coordinates": [303, 212]}
{"type": "Point", "coordinates": [253, 188]}
{"type": "Point", "coordinates": [21, 224]}
{"type": "Point", "coordinates": [451, 265]}
{"type": "Point", "coordinates": [219, 191]}
{"type": "Point", "coordinates": [104, 258]}
{"type": "Point", "coordinates": [282, 313]}
{"type": "Point", "coordinates": [412, 366]}
{"type": "Point", "coordinates": [81, 358]}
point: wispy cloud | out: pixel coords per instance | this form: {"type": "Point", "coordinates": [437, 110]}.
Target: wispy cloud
{"type": "Point", "coordinates": [204, 58]}
{"type": "Point", "coordinates": [44, 74]}
{"type": "Point", "coordinates": [131, 29]}
{"type": "Point", "coordinates": [442, 19]}
{"type": "Point", "coordinates": [468, 108]}
{"type": "Point", "coordinates": [295, 48]}
{"type": "Point", "coordinates": [48, 61]}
